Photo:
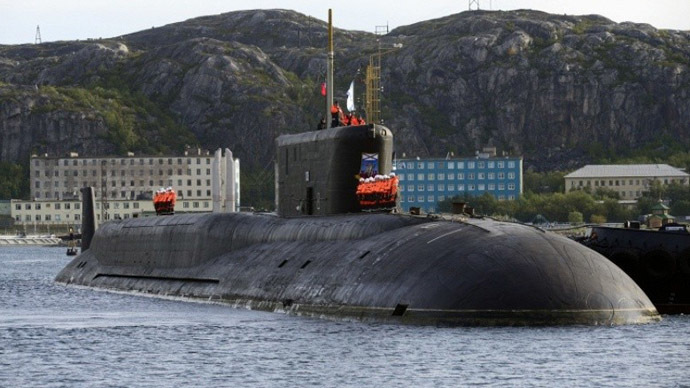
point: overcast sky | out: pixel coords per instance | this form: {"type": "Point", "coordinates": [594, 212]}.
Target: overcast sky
{"type": "Point", "coordinates": [82, 19]}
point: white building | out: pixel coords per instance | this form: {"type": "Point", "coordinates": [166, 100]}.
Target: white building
{"type": "Point", "coordinates": [124, 186]}
{"type": "Point", "coordinates": [628, 180]}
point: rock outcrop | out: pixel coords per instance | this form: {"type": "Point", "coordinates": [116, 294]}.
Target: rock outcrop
{"type": "Point", "coordinates": [555, 89]}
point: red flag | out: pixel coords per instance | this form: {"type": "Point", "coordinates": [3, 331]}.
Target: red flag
{"type": "Point", "coordinates": [323, 89]}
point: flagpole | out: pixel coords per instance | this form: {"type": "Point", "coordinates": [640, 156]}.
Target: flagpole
{"type": "Point", "coordinates": [329, 70]}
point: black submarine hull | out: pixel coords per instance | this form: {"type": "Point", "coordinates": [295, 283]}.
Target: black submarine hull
{"type": "Point", "coordinates": [658, 261]}
{"type": "Point", "coordinates": [379, 267]}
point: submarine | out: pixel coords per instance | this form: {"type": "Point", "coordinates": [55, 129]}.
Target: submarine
{"type": "Point", "coordinates": [322, 256]}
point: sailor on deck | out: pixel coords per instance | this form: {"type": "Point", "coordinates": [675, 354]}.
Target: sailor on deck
{"type": "Point", "coordinates": [337, 116]}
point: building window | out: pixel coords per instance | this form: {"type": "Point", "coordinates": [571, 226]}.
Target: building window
{"type": "Point", "coordinates": [470, 164]}
{"type": "Point", "coordinates": [420, 165]}
{"type": "Point", "coordinates": [429, 187]}
{"type": "Point", "coordinates": [430, 198]}
{"type": "Point", "coordinates": [480, 187]}
{"type": "Point", "coordinates": [501, 186]}
{"type": "Point", "coordinates": [451, 187]}
{"type": "Point", "coordinates": [420, 187]}
{"type": "Point", "coordinates": [470, 187]}
{"type": "Point", "coordinates": [420, 198]}
{"type": "Point", "coordinates": [461, 165]}
{"type": "Point", "coordinates": [185, 205]}
{"type": "Point", "coordinates": [511, 175]}
{"type": "Point", "coordinates": [480, 164]}
{"type": "Point", "coordinates": [490, 164]}
{"type": "Point", "coordinates": [511, 186]}
{"type": "Point", "coordinates": [480, 175]}
{"type": "Point", "coordinates": [451, 177]}
{"type": "Point", "coordinates": [410, 177]}
{"type": "Point", "coordinates": [511, 164]}
{"type": "Point", "coordinates": [491, 175]}
{"type": "Point", "coordinates": [441, 187]}
{"type": "Point", "coordinates": [492, 186]}
{"type": "Point", "coordinates": [410, 198]}
{"type": "Point", "coordinates": [431, 177]}
{"type": "Point", "coordinates": [195, 205]}
{"type": "Point", "coordinates": [410, 188]}
{"type": "Point", "coordinates": [420, 177]}
{"type": "Point", "coordinates": [430, 165]}
{"type": "Point", "coordinates": [461, 176]}
{"type": "Point", "coordinates": [401, 177]}
{"type": "Point", "coordinates": [470, 176]}
{"type": "Point", "coordinates": [461, 187]}
{"type": "Point", "coordinates": [451, 165]}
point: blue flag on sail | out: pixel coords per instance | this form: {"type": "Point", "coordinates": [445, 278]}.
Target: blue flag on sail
{"type": "Point", "coordinates": [351, 97]}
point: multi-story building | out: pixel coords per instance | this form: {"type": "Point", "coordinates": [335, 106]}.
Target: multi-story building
{"type": "Point", "coordinates": [425, 182]}
{"type": "Point", "coordinates": [121, 177]}
{"type": "Point", "coordinates": [628, 180]}
{"type": "Point", "coordinates": [124, 186]}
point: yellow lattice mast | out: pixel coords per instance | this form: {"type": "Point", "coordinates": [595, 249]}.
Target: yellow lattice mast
{"type": "Point", "coordinates": [373, 82]}
{"type": "Point", "coordinates": [373, 90]}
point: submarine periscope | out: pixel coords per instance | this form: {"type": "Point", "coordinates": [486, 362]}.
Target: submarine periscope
{"type": "Point", "coordinates": [321, 255]}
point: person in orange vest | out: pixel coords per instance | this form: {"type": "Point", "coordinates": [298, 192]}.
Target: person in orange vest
{"type": "Point", "coordinates": [337, 116]}
{"type": "Point", "coordinates": [353, 119]}
{"type": "Point", "coordinates": [348, 119]}
{"type": "Point", "coordinates": [360, 120]}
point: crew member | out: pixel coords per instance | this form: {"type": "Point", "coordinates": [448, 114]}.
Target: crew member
{"type": "Point", "coordinates": [337, 116]}
{"type": "Point", "coordinates": [322, 124]}
{"type": "Point", "coordinates": [349, 119]}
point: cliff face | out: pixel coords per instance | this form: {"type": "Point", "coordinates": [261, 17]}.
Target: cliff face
{"type": "Point", "coordinates": [556, 89]}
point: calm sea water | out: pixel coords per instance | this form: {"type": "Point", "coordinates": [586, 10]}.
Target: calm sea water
{"type": "Point", "coordinates": [57, 336]}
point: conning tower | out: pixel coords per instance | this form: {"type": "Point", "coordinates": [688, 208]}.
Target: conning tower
{"type": "Point", "coordinates": [317, 172]}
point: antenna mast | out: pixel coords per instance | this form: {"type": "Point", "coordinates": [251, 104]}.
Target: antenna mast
{"type": "Point", "coordinates": [37, 40]}
{"type": "Point", "coordinates": [329, 70]}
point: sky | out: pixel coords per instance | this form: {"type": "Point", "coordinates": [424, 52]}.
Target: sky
{"type": "Point", "coordinates": [83, 19]}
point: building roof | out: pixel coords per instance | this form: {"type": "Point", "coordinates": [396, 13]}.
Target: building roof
{"type": "Point", "coordinates": [660, 206]}
{"type": "Point", "coordinates": [627, 170]}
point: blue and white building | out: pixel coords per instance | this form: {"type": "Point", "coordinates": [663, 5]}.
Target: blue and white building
{"type": "Point", "coordinates": [425, 182]}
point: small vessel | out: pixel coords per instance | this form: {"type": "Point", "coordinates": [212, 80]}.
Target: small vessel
{"type": "Point", "coordinates": [658, 260]}
{"type": "Point", "coordinates": [164, 201]}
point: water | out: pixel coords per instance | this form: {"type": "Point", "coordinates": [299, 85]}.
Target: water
{"type": "Point", "coordinates": [57, 336]}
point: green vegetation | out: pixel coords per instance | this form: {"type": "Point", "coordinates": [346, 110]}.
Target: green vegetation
{"type": "Point", "coordinates": [14, 181]}
{"type": "Point", "coordinates": [575, 206]}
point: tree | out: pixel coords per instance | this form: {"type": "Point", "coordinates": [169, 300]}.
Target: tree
{"type": "Point", "coordinates": [597, 219]}
{"type": "Point", "coordinates": [14, 183]}
{"type": "Point", "coordinates": [575, 217]}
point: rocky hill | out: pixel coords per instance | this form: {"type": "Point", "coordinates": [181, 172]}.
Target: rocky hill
{"type": "Point", "coordinates": [559, 90]}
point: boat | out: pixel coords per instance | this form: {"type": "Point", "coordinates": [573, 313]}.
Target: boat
{"type": "Point", "coordinates": [338, 248]}
{"type": "Point", "coordinates": [322, 256]}
{"type": "Point", "coordinates": [658, 260]}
